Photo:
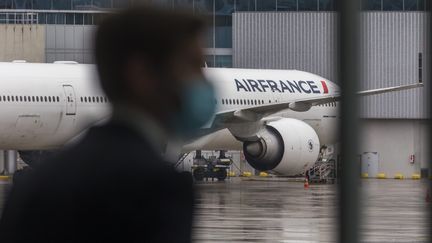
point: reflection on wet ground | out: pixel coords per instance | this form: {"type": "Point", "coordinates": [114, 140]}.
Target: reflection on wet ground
{"type": "Point", "coordinates": [269, 211]}
{"type": "Point", "coordinates": [257, 211]}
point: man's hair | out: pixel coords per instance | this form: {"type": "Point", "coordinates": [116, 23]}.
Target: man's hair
{"type": "Point", "coordinates": [153, 34]}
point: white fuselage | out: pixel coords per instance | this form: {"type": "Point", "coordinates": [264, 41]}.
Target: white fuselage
{"type": "Point", "coordinates": [43, 106]}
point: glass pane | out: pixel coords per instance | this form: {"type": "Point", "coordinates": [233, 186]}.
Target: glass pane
{"type": "Point", "coordinates": [51, 18]}
{"type": "Point", "coordinates": [102, 4]}
{"type": "Point", "coordinates": [286, 5]}
{"type": "Point", "coordinates": [392, 5]}
{"type": "Point", "coordinates": [60, 18]}
{"type": "Point", "coordinates": [223, 23]}
{"type": "Point", "coordinates": [307, 5]}
{"type": "Point", "coordinates": [422, 4]}
{"type": "Point", "coordinates": [42, 17]}
{"type": "Point", "coordinates": [22, 4]}
{"type": "Point", "coordinates": [79, 18]}
{"type": "Point", "coordinates": [70, 18]}
{"type": "Point", "coordinates": [326, 5]}
{"type": "Point", "coordinates": [120, 3]}
{"type": "Point", "coordinates": [414, 5]}
{"type": "Point", "coordinates": [205, 7]}
{"type": "Point", "coordinates": [202, 6]}
{"type": "Point", "coordinates": [224, 7]}
{"type": "Point", "coordinates": [41, 4]}
{"type": "Point", "coordinates": [372, 5]}
{"type": "Point", "coordinates": [209, 60]}
{"type": "Point", "coordinates": [88, 19]}
{"type": "Point", "coordinates": [266, 5]}
{"type": "Point", "coordinates": [223, 31]}
{"type": "Point", "coordinates": [223, 61]}
{"type": "Point", "coordinates": [245, 5]}
{"type": "Point", "coordinates": [81, 4]}
{"type": "Point", "coordinates": [5, 4]}
{"type": "Point", "coordinates": [62, 4]}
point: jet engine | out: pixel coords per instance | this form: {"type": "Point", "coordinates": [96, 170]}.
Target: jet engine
{"type": "Point", "coordinates": [286, 146]}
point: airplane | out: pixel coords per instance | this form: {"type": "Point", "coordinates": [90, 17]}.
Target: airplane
{"type": "Point", "coordinates": [279, 118]}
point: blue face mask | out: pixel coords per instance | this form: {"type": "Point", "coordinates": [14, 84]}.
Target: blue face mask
{"type": "Point", "coordinates": [198, 106]}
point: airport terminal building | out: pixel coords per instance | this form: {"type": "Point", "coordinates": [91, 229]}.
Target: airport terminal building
{"type": "Point", "coordinates": [269, 34]}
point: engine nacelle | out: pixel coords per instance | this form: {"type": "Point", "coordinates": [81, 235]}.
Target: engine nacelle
{"type": "Point", "coordinates": [286, 146]}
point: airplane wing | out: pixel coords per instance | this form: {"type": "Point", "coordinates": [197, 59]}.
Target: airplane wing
{"type": "Point", "coordinates": [390, 89]}
{"type": "Point", "coordinates": [258, 112]}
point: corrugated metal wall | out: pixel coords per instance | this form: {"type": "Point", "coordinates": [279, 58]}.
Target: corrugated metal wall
{"type": "Point", "coordinates": [391, 42]}
{"type": "Point", "coordinates": [391, 45]}
{"type": "Point", "coordinates": [295, 40]}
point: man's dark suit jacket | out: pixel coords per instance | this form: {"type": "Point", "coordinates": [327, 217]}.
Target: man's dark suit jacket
{"type": "Point", "coordinates": [110, 186]}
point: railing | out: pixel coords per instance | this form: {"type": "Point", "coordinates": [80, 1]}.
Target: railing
{"type": "Point", "coordinates": [67, 17]}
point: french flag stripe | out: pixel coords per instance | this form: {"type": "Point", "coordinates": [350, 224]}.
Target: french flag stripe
{"type": "Point", "coordinates": [324, 87]}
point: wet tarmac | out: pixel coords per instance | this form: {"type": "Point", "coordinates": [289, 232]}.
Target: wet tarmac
{"type": "Point", "coordinates": [258, 211]}
{"type": "Point", "coordinates": [281, 211]}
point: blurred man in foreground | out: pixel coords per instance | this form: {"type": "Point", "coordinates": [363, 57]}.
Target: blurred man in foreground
{"type": "Point", "coordinates": [115, 183]}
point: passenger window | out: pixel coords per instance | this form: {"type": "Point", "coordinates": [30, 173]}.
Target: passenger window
{"type": "Point", "coordinates": [45, 98]}
{"type": "Point", "coordinates": [94, 99]}
{"type": "Point", "coordinates": [16, 98]}
{"type": "Point", "coordinates": [37, 98]}
{"type": "Point", "coordinates": [49, 98]}
{"type": "Point", "coordinates": [0, 98]}
{"type": "Point", "coordinates": [12, 98]}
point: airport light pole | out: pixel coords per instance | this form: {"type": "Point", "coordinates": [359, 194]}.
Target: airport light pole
{"type": "Point", "coordinates": [349, 76]}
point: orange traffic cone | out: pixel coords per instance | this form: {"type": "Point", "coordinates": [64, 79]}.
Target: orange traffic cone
{"type": "Point", "coordinates": [306, 183]}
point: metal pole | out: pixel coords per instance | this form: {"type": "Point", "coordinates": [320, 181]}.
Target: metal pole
{"type": "Point", "coordinates": [349, 76]}
{"type": "Point", "coordinates": [428, 100]}
{"type": "Point", "coordinates": [10, 161]}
